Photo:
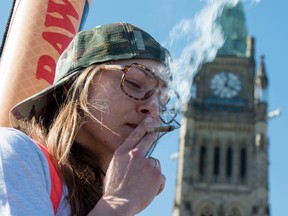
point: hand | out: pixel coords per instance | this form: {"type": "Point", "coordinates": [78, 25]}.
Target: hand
{"type": "Point", "coordinates": [132, 181]}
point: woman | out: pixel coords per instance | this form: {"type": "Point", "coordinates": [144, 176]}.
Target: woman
{"type": "Point", "coordinates": [97, 121]}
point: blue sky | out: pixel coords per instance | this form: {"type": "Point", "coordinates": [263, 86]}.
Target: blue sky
{"type": "Point", "coordinates": [266, 21]}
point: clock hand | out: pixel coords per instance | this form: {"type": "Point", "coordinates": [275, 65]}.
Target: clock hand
{"type": "Point", "coordinates": [226, 80]}
{"type": "Point", "coordinates": [233, 86]}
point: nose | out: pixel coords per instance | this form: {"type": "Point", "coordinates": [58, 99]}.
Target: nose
{"type": "Point", "coordinates": [149, 107]}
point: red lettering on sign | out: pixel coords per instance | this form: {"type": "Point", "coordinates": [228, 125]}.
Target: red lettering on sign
{"type": "Point", "coordinates": [63, 10]}
{"type": "Point", "coordinates": [57, 40]}
{"type": "Point", "coordinates": [46, 68]}
{"type": "Point", "coordinates": [58, 15]}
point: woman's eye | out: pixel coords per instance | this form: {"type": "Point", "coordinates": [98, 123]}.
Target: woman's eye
{"type": "Point", "coordinates": [132, 84]}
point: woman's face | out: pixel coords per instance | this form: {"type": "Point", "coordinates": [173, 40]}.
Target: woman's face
{"type": "Point", "coordinates": [117, 114]}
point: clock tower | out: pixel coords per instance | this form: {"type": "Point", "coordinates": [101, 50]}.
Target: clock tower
{"type": "Point", "coordinates": [223, 152]}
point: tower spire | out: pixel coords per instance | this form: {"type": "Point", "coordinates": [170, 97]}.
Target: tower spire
{"type": "Point", "coordinates": [261, 82]}
{"type": "Point", "coordinates": [261, 75]}
{"type": "Point", "coordinates": [233, 24]}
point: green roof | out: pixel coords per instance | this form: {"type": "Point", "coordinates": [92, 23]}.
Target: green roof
{"type": "Point", "coordinates": [233, 23]}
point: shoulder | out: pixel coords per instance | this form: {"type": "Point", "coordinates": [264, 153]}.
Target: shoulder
{"type": "Point", "coordinates": [14, 142]}
{"type": "Point", "coordinates": [12, 135]}
{"type": "Point", "coordinates": [20, 154]}
{"type": "Point", "coordinates": [23, 164]}
{"type": "Point", "coordinates": [17, 148]}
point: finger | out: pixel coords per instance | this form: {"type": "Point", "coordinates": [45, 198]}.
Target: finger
{"type": "Point", "coordinates": [155, 163]}
{"type": "Point", "coordinates": [162, 185]}
{"type": "Point", "coordinates": [134, 137]}
{"type": "Point", "coordinates": [146, 144]}
{"type": "Point", "coordinates": [139, 135]}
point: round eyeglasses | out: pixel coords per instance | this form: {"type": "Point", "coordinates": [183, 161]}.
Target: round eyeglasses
{"type": "Point", "coordinates": [140, 83]}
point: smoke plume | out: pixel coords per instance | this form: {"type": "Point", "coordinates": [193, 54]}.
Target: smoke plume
{"type": "Point", "coordinates": [202, 37]}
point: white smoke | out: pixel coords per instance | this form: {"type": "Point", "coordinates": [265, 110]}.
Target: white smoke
{"type": "Point", "coordinates": [202, 48]}
{"type": "Point", "coordinates": [255, 1]}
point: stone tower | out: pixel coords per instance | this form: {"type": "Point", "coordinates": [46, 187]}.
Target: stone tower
{"type": "Point", "coordinates": [223, 153]}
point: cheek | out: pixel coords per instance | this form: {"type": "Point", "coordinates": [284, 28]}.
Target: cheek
{"type": "Point", "coordinates": [98, 100]}
{"type": "Point", "coordinates": [106, 100]}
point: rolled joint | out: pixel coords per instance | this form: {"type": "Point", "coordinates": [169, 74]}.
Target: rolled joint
{"type": "Point", "coordinates": [160, 129]}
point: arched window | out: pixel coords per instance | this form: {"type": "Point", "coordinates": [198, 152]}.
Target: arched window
{"type": "Point", "coordinates": [206, 211]}
{"type": "Point", "coordinates": [203, 161]}
{"type": "Point", "coordinates": [216, 170]}
{"type": "Point", "coordinates": [243, 164]}
{"type": "Point", "coordinates": [229, 163]}
{"type": "Point", "coordinates": [234, 212]}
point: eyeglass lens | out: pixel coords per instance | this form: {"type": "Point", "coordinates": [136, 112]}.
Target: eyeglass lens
{"type": "Point", "coordinates": [141, 84]}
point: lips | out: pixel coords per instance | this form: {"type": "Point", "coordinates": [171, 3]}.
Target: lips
{"type": "Point", "coordinates": [132, 125]}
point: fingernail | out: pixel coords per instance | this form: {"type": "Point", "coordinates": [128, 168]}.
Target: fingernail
{"type": "Point", "coordinates": [148, 120]}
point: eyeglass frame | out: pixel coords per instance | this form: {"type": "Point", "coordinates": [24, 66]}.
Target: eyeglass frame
{"type": "Point", "coordinates": [124, 69]}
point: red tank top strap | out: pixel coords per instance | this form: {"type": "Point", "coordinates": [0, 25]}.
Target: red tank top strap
{"type": "Point", "coordinates": [55, 177]}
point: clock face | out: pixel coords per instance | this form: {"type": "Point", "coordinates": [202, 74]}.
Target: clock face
{"type": "Point", "coordinates": [225, 85]}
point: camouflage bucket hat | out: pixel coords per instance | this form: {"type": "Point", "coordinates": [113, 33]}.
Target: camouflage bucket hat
{"type": "Point", "coordinates": [116, 41]}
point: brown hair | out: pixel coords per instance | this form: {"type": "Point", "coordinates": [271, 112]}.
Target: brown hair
{"type": "Point", "coordinates": [80, 171]}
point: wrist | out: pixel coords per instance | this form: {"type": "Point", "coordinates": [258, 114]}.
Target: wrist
{"type": "Point", "coordinates": [111, 205]}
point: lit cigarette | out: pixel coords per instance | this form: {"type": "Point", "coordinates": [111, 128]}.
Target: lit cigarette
{"type": "Point", "coordinates": [161, 129]}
